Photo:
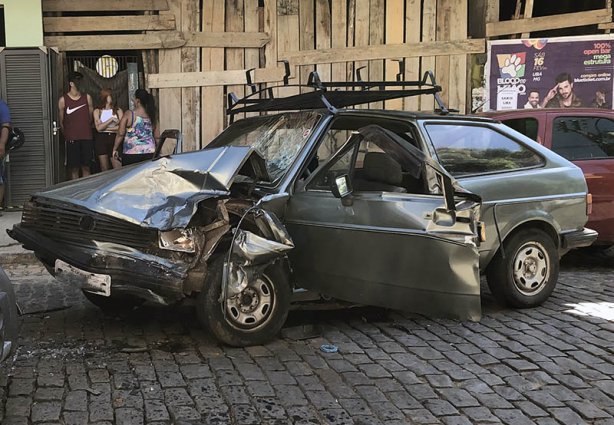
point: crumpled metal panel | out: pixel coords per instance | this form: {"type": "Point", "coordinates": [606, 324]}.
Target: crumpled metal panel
{"type": "Point", "coordinates": [161, 194]}
{"type": "Point", "coordinates": [254, 249]}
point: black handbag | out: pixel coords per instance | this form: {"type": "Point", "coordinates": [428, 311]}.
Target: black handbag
{"type": "Point", "coordinates": [16, 139]}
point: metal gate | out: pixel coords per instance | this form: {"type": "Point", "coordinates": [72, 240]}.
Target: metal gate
{"type": "Point", "coordinates": [25, 86]}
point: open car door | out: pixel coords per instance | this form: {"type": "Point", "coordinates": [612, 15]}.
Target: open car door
{"type": "Point", "coordinates": [367, 229]}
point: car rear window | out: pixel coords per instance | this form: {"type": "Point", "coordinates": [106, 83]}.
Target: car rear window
{"type": "Point", "coordinates": [577, 138]}
{"type": "Point", "coordinates": [469, 149]}
{"type": "Point", "coordinates": [526, 126]}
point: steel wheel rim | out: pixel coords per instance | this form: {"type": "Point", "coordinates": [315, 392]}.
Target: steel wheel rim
{"type": "Point", "coordinates": [253, 307]}
{"type": "Point", "coordinates": [531, 268]}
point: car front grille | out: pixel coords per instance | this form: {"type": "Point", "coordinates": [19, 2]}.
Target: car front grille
{"type": "Point", "coordinates": [74, 224]}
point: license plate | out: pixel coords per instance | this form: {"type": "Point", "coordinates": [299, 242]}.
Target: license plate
{"type": "Point", "coordinates": [92, 282]}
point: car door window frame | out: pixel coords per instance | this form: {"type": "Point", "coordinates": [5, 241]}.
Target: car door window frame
{"type": "Point", "coordinates": [302, 185]}
{"type": "Point", "coordinates": [422, 124]}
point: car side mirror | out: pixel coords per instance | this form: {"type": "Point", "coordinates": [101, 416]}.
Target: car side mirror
{"type": "Point", "coordinates": [444, 217]}
{"type": "Point", "coordinates": [162, 150]}
{"type": "Point", "coordinates": [342, 188]}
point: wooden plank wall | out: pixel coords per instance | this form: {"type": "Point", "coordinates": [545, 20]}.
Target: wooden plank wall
{"type": "Point", "coordinates": [321, 24]}
{"type": "Point", "coordinates": [291, 26]}
{"type": "Point", "coordinates": [296, 25]}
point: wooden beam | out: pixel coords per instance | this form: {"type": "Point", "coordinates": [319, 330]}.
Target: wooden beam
{"type": "Point", "coordinates": [608, 26]}
{"type": "Point", "coordinates": [528, 13]}
{"type": "Point", "coordinates": [386, 51]}
{"type": "Point", "coordinates": [102, 6]}
{"type": "Point", "coordinates": [159, 40]}
{"type": "Point", "coordinates": [155, 40]}
{"type": "Point", "coordinates": [543, 23]}
{"type": "Point", "coordinates": [108, 23]}
{"type": "Point", "coordinates": [214, 78]}
{"type": "Point", "coordinates": [242, 40]}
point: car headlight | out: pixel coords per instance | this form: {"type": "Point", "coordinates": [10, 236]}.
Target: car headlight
{"type": "Point", "coordinates": [177, 240]}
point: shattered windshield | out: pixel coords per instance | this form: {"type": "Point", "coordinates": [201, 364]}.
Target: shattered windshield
{"type": "Point", "coordinates": [278, 139]}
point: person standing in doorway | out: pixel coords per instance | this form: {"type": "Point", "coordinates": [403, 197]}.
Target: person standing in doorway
{"type": "Point", "coordinates": [106, 119]}
{"type": "Point", "coordinates": [5, 129]}
{"type": "Point", "coordinates": [76, 124]}
{"type": "Point", "coordinates": [138, 130]}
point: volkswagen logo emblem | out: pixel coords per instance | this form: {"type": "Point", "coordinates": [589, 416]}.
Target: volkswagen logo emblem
{"type": "Point", "coordinates": [87, 223]}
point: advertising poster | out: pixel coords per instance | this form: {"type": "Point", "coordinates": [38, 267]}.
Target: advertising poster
{"type": "Point", "coordinates": [557, 72]}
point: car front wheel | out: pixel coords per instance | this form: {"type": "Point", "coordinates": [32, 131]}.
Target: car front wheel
{"type": "Point", "coordinates": [254, 316]}
{"type": "Point", "coordinates": [528, 274]}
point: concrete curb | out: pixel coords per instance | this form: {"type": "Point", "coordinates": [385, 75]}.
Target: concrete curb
{"type": "Point", "coordinates": [18, 258]}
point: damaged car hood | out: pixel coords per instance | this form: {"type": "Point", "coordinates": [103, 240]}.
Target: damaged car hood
{"type": "Point", "coordinates": [162, 194]}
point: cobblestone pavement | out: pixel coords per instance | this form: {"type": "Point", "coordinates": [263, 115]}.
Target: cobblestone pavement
{"type": "Point", "coordinates": [549, 365]}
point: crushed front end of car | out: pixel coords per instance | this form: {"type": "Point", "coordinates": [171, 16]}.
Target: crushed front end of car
{"type": "Point", "coordinates": [154, 231]}
{"type": "Point", "coordinates": [147, 232]}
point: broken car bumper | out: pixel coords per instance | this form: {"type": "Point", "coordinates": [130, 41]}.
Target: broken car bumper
{"type": "Point", "coordinates": [578, 238]}
{"type": "Point", "coordinates": [147, 276]}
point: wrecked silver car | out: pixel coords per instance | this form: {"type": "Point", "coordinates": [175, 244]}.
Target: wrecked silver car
{"type": "Point", "coordinates": [347, 204]}
{"type": "Point", "coordinates": [209, 224]}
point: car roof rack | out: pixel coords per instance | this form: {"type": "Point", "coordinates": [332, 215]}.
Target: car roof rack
{"type": "Point", "coordinates": [333, 95]}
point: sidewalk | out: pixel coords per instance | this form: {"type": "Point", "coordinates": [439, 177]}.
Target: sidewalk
{"type": "Point", "coordinates": [11, 251]}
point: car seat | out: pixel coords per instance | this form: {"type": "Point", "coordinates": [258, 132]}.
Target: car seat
{"type": "Point", "coordinates": [380, 173]}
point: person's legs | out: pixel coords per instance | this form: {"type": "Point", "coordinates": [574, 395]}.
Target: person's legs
{"type": "Point", "coordinates": [73, 160]}
{"type": "Point", "coordinates": [86, 154]}
{"type": "Point", "coordinates": [103, 160]}
{"type": "Point", "coordinates": [100, 147]}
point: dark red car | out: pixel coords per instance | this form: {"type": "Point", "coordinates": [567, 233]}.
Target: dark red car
{"type": "Point", "coordinates": [586, 138]}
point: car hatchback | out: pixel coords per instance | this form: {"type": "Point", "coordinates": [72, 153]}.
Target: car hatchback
{"type": "Point", "coordinates": [358, 205]}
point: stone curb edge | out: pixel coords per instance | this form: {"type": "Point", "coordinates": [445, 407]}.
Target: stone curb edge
{"type": "Point", "coordinates": [18, 258]}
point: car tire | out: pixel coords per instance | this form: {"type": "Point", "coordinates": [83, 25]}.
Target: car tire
{"type": "Point", "coordinates": [527, 275]}
{"type": "Point", "coordinates": [114, 304]}
{"type": "Point", "coordinates": [245, 325]}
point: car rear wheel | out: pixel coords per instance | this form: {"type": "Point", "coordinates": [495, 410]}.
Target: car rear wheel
{"type": "Point", "coordinates": [115, 303]}
{"type": "Point", "coordinates": [254, 316]}
{"type": "Point", "coordinates": [528, 274]}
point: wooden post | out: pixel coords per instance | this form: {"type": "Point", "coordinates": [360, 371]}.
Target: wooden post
{"type": "Point", "coordinates": [170, 61]}
{"type": "Point", "coordinates": [429, 33]}
{"type": "Point", "coordinates": [395, 22]}
{"type": "Point", "coordinates": [528, 13]}
{"type": "Point", "coordinates": [190, 97]}
{"type": "Point", "coordinates": [339, 36]}
{"type": "Point", "coordinates": [350, 37]}
{"type": "Point", "coordinates": [235, 57]}
{"type": "Point", "coordinates": [457, 87]}
{"type": "Point", "coordinates": [307, 37]}
{"type": "Point", "coordinates": [288, 34]}
{"type": "Point", "coordinates": [376, 36]}
{"type": "Point", "coordinates": [212, 101]}
{"type": "Point", "coordinates": [492, 11]}
{"type": "Point", "coordinates": [413, 13]}
{"type": "Point", "coordinates": [442, 63]}
{"type": "Point", "coordinates": [323, 35]}
{"type": "Point", "coordinates": [252, 24]}
{"type": "Point", "coordinates": [361, 35]}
